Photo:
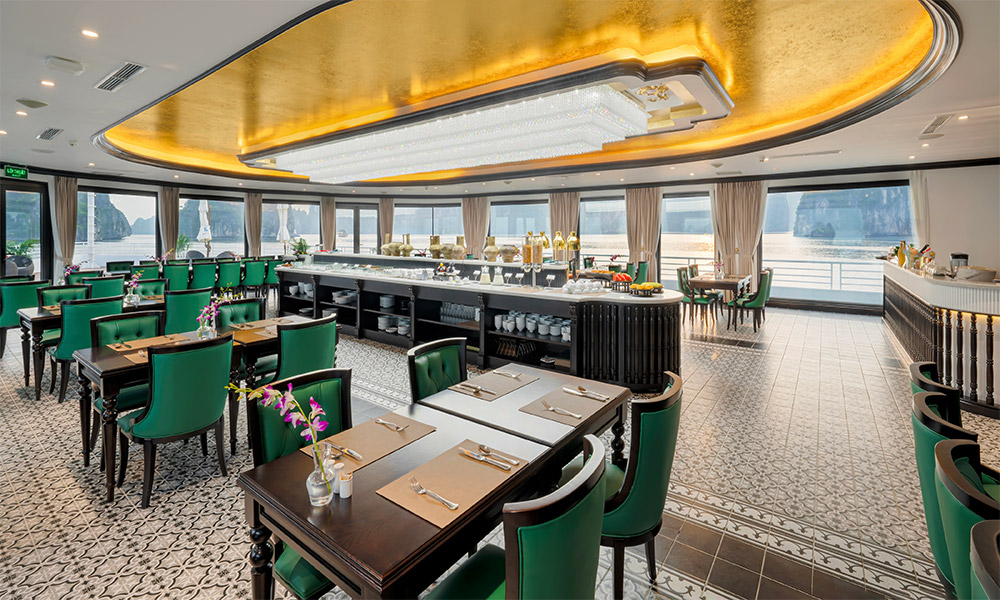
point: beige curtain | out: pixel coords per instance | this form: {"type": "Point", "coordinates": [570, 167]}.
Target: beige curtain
{"type": "Point", "coordinates": [737, 219]}
{"type": "Point", "coordinates": [63, 208]}
{"type": "Point", "coordinates": [385, 210]}
{"type": "Point", "coordinates": [328, 222]}
{"type": "Point", "coordinates": [253, 208]}
{"type": "Point", "coordinates": [642, 222]}
{"type": "Point", "coordinates": [920, 203]}
{"type": "Point", "coordinates": [476, 224]}
{"type": "Point", "coordinates": [168, 212]}
{"type": "Point", "coordinates": [564, 212]}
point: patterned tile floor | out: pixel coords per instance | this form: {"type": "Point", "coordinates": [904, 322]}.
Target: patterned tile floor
{"type": "Point", "coordinates": [794, 477]}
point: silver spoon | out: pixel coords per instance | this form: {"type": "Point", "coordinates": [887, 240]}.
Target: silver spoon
{"type": "Point", "coordinates": [487, 451]}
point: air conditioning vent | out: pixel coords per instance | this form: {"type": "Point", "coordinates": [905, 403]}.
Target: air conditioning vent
{"type": "Point", "coordinates": [120, 76]}
{"type": "Point", "coordinates": [936, 124]}
{"type": "Point", "coordinates": [48, 134]}
{"type": "Point", "coordinates": [728, 173]}
{"type": "Point", "coordinates": [43, 150]}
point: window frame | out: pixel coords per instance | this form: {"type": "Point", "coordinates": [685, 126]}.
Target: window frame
{"type": "Point", "coordinates": [264, 201]}
{"type": "Point", "coordinates": [242, 201]}
{"type": "Point", "coordinates": [47, 250]}
{"type": "Point", "coordinates": [156, 207]}
{"type": "Point", "coordinates": [357, 207]}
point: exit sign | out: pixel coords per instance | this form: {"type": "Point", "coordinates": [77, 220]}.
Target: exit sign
{"type": "Point", "coordinates": [15, 172]}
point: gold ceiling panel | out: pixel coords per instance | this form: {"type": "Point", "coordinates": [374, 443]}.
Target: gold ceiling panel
{"type": "Point", "coordinates": [787, 65]}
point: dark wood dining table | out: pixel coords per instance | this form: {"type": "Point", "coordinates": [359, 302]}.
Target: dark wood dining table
{"type": "Point", "coordinates": [734, 284]}
{"type": "Point", "coordinates": [36, 321]}
{"type": "Point", "coordinates": [372, 548]}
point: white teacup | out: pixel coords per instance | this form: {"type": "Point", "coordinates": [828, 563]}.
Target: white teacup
{"type": "Point", "coordinates": [543, 328]}
{"type": "Point", "coordinates": [531, 325]}
{"type": "Point", "coordinates": [519, 320]}
{"type": "Point", "coordinates": [555, 329]}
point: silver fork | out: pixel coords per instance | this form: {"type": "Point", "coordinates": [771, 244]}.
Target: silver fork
{"type": "Point", "coordinates": [560, 411]}
{"type": "Point", "coordinates": [507, 374]}
{"type": "Point", "coordinates": [416, 487]}
{"type": "Point", "coordinates": [391, 425]}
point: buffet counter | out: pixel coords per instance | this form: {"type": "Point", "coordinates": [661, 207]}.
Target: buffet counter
{"type": "Point", "coordinates": [951, 323]}
{"type": "Point", "coordinates": [613, 337]}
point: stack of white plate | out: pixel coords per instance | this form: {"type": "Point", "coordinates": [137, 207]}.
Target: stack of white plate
{"type": "Point", "coordinates": [386, 301]}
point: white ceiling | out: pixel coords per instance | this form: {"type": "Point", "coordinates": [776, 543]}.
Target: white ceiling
{"type": "Point", "coordinates": [178, 43]}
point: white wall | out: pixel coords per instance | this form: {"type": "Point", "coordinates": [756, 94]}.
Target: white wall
{"type": "Point", "coordinates": [965, 214]}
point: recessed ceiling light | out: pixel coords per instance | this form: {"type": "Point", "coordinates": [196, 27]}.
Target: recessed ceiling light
{"type": "Point", "coordinates": [532, 178]}
{"type": "Point", "coordinates": [303, 189]}
{"type": "Point", "coordinates": [963, 117]}
{"type": "Point", "coordinates": [177, 176]}
{"type": "Point", "coordinates": [90, 164]}
{"type": "Point", "coordinates": [354, 191]}
{"type": "Point", "coordinates": [48, 83]}
{"type": "Point", "coordinates": [924, 145]}
{"type": "Point", "coordinates": [691, 174]}
{"type": "Point", "coordinates": [563, 184]}
{"type": "Point", "coordinates": [240, 183]}
{"type": "Point", "coordinates": [466, 191]}
{"type": "Point", "coordinates": [90, 33]}
{"type": "Point", "coordinates": [672, 168]}
{"type": "Point", "coordinates": [598, 174]}
{"type": "Point", "coordinates": [3, 132]}
{"type": "Point", "coordinates": [912, 157]}
{"type": "Point", "coordinates": [21, 113]}
{"type": "Point", "coordinates": [622, 179]}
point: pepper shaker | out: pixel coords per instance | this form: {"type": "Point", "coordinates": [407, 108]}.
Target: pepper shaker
{"type": "Point", "coordinates": [338, 468]}
{"type": "Point", "coordinates": [346, 484]}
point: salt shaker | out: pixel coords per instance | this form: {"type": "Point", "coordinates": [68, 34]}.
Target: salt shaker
{"type": "Point", "coordinates": [338, 468]}
{"type": "Point", "coordinates": [346, 484]}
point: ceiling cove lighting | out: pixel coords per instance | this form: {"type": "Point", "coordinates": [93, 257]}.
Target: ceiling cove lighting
{"type": "Point", "coordinates": [561, 124]}
{"type": "Point", "coordinates": [90, 33]}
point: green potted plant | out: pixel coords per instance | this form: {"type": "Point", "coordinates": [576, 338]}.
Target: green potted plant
{"type": "Point", "coordinates": [19, 253]}
{"type": "Point", "coordinates": [300, 247]}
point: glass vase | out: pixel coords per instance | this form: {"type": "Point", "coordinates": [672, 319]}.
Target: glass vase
{"type": "Point", "coordinates": [206, 330]}
{"type": "Point", "coordinates": [132, 299]}
{"type": "Point", "coordinates": [318, 486]}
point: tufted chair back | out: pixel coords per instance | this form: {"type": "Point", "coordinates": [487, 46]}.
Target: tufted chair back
{"type": "Point", "coordinates": [435, 366]}
{"type": "Point", "coordinates": [54, 294]}
{"type": "Point", "coordinates": [240, 311]}
{"type": "Point", "coordinates": [15, 295]}
{"type": "Point", "coordinates": [151, 287]}
{"type": "Point", "coordinates": [126, 327]}
{"type": "Point", "coordinates": [306, 347]}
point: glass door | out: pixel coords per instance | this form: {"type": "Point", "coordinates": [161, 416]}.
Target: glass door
{"type": "Point", "coordinates": [25, 232]}
{"type": "Point", "coordinates": [357, 229]}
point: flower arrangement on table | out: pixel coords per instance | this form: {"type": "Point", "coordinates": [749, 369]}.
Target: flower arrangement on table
{"type": "Point", "coordinates": [161, 260]}
{"type": "Point", "coordinates": [69, 270]}
{"type": "Point", "coordinates": [131, 286]}
{"type": "Point", "coordinates": [295, 416]}
{"type": "Point", "coordinates": [206, 318]}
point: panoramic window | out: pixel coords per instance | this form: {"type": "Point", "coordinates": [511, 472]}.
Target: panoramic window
{"type": "Point", "coordinates": [510, 222]}
{"type": "Point", "coordinates": [686, 235]}
{"type": "Point", "coordinates": [368, 231]}
{"type": "Point", "coordinates": [602, 229]}
{"type": "Point", "coordinates": [345, 230]}
{"type": "Point", "coordinates": [114, 226]}
{"type": "Point", "coordinates": [282, 224]}
{"type": "Point", "coordinates": [421, 222]}
{"type": "Point", "coordinates": [23, 232]}
{"type": "Point", "coordinates": [210, 228]}
{"type": "Point", "coordinates": [448, 223]}
{"type": "Point", "coordinates": [822, 243]}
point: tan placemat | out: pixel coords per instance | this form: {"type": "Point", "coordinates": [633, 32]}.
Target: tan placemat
{"type": "Point", "coordinates": [147, 342]}
{"type": "Point", "coordinates": [560, 399]}
{"type": "Point", "coordinates": [373, 441]}
{"type": "Point", "coordinates": [256, 335]}
{"type": "Point", "coordinates": [53, 308]}
{"type": "Point", "coordinates": [498, 384]}
{"type": "Point", "coordinates": [139, 358]}
{"type": "Point", "coordinates": [454, 477]}
{"type": "Point", "coordinates": [154, 297]}
{"type": "Point", "coordinates": [261, 324]}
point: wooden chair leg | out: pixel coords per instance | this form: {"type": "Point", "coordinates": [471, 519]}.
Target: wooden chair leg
{"type": "Point", "coordinates": [95, 430]}
{"type": "Point", "coordinates": [148, 466]}
{"type": "Point", "coordinates": [123, 464]}
{"type": "Point", "coordinates": [618, 571]}
{"type": "Point", "coordinates": [651, 559]}
{"type": "Point", "coordinates": [3, 340]}
{"type": "Point", "coordinates": [204, 444]}
{"type": "Point", "coordinates": [63, 380]}
{"type": "Point", "coordinates": [52, 381]}
{"type": "Point", "coordinates": [218, 447]}
{"type": "Point", "coordinates": [234, 411]}
{"type": "Point", "coordinates": [85, 430]}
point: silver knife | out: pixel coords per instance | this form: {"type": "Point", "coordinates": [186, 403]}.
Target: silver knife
{"type": "Point", "coordinates": [588, 394]}
{"type": "Point", "coordinates": [506, 374]}
{"type": "Point", "coordinates": [485, 459]}
{"type": "Point", "coordinates": [476, 388]}
{"type": "Point", "coordinates": [346, 451]}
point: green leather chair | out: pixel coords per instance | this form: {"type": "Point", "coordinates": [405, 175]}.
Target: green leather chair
{"type": "Point", "coordinates": [302, 347]}
{"type": "Point", "coordinates": [105, 287]}
{"type": "Point", "coordinates": [77, 277]}
{"type": "Point", "coordinates": [968, 493]}
{"type": "Point", "coordinates": [54, 294]}
{"type": "Point", "coordinates": [179, 261]}
{"type": "Point", "coordinates": [179, 408]}
{"type": "Point", "coordinates": [177, 275]}
{"type": "Point", "coordinates": [253, 275]}
{"type": "Point", "coordinates": [985, 556]}
{"type": "Point", "coordinates": [924, 377]}
{"type": "Point", "coordinates": [229, 274]}
{"type": "Point", "coordinates": [271, 438]}
{"type": "Point", "coordinates": [151, 287]}
{"type": "Point", "coordinates": [15, 295]}
{"type": "Point", "coordinates": [203, 274]}
{"type": "Point", "coordinates": [146, 271]}
{"type": "Point", "coordinates": [183, 308]}
{"type": "Point", "coordinates": [642, 272]}
{"type": "Point", "coordinates": [16, 278]}
{"type": "Point", "coordinates": [552, 543]}
{"type": "Point", "coordinates": [635, 494]}
{"type": "Point", "coordinates": [630, 270]}
{"type": "Point", "coordinates": [690, 299]}
{"type": "Point", "coordinates": [435, 366]}
{"type": "Point", "coordinates": [271, 277]}
{"type": "Point", "coordinates": [935, 417]}
{"type": "Point", "coordinates": [756, 302]}
{"type": "Point", "coordinates": [235, 312]}
{"type": "Point", "coordinates": [114, 329]}
{"type": "Point", "coordinates": [75, 326]}
{"type": "Point", "coordinates": [149, 261]}
{"type": "Point", "coordinates": [118, 266]}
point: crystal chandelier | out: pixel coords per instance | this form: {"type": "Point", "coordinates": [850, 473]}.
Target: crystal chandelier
{"type": "Point", "coordinates": [561, 124]}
